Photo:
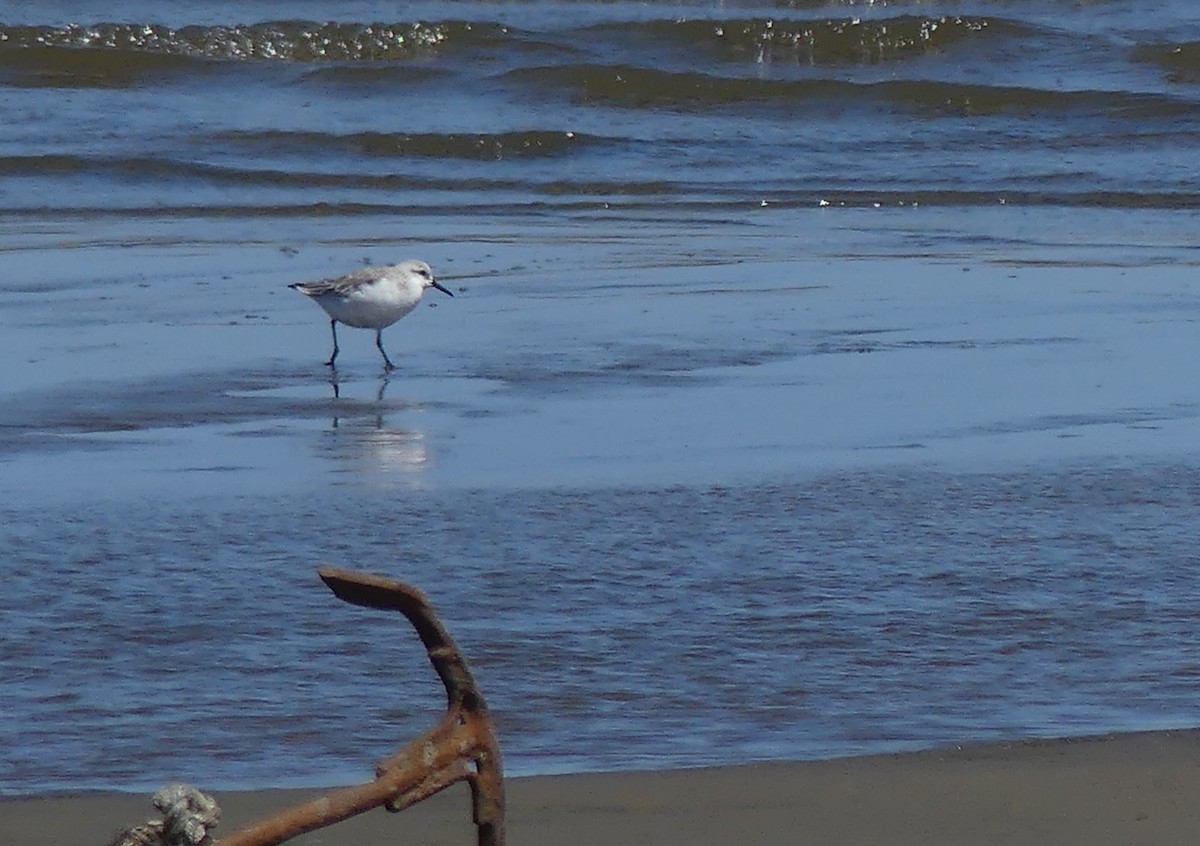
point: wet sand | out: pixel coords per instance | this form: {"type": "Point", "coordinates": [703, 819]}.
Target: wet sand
{"type": "Point", "coordinates": [736, 374]}
{"type": "Point", "coordinates": [1116, 789]}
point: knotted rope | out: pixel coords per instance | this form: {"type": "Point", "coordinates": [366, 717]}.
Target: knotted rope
{"type": "Point", "coordinates": [188, 816]}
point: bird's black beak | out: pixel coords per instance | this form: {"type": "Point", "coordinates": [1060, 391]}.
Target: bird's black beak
{"type": "Point", "coordinates": [445, 291]}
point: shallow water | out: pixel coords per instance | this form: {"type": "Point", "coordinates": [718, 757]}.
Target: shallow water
{"type": "Point", "coordinates": [811, 388]}
{"type": "Point", "coordinates": [610, 627]}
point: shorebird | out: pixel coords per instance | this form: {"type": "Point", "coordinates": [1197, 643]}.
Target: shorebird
{"type": "Point", "coordinates": [371, 298]}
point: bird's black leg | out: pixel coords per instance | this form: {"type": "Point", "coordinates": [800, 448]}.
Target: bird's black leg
{"type": "Point", "coordinates": [333, 358]}
{"type": "Point", "coordinates": [387, 362]}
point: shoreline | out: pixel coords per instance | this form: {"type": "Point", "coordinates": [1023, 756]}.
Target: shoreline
{"type": "Point", "coordinates": [1108, 789]}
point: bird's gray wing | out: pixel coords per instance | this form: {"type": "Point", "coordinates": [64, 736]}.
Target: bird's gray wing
{"type": "Point", "coordinates": [340, 285]}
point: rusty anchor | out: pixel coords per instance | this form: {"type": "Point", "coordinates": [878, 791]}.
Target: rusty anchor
{"type": "Point", "coordinates": [461, 747]}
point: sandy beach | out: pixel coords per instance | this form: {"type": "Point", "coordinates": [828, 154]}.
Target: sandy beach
{"type": "Point", "coordinates": [1115, 789]}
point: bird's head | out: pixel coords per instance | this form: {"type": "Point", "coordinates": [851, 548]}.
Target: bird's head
{"type": "Point", "coordinates": [424, 274]}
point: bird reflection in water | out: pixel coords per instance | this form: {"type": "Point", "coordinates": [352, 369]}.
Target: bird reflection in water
{"type": "Point", "coordinates": [337, 395]}
{"type": "Point", "coordinates": [364, 441]}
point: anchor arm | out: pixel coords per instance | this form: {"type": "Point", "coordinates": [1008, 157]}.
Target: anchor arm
{"type": "Point", "coordinates": [461, 747]}
{"type": "Point", "coordinates": [388, 595]}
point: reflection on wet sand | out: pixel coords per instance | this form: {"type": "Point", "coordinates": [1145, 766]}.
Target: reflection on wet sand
{"type": "Point", "coordinates": [335, 383]}
{"type": "Point", "coordinates": [360, 440]}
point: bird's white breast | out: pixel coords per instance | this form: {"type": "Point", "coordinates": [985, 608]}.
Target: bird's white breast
{"type": "Point", "coordinates": [371, 306]}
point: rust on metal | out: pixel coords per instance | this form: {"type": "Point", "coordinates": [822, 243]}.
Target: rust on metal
{"type": "Point", "coordinates": [461, 747]}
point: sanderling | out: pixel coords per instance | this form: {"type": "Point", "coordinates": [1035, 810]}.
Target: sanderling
{"type": "Point", "coordinates": [371, 298]}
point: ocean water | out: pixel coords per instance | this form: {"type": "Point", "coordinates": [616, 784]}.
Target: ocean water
{"type": "Point", "coordinates": [819, 379]}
